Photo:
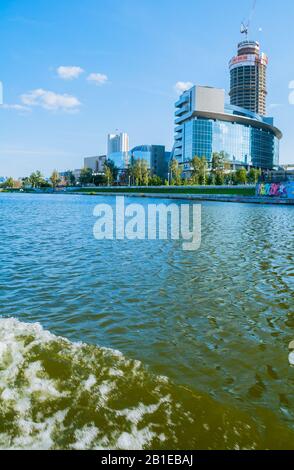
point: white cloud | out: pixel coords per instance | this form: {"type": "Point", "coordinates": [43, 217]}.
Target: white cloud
{"type": "Point", "coordinates": [291, 85]}
{"type": "Point", "coordinates": [15, 107]}
{"type": "Point", "coordinates": [50, 100]}
{"type": "Point", "coordinates": [180, 87]}
{"type": "Point", "coordinates": [260, 30]}
{"type": "Point", "coordinates": [97, 78]}
{"type": "Point", "coordinates": [69, 73]}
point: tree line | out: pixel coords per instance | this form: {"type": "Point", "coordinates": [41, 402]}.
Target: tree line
{"type": "Point", "coordinates": [218, 172]}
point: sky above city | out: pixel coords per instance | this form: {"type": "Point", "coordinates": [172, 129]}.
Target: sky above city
{"type": "Point", "coordinates": [74, 71]}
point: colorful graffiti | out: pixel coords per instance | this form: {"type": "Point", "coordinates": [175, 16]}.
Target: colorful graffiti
{"type": "Point", "coordinates": [284, 190]}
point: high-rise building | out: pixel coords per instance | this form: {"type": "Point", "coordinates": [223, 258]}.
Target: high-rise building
{"type": "Point", "coordinates": [118, 142]}
{"type": "Point", "coordinates": [118, 150]}
{"type": "Point", "coordinates": [205, 124]}
{"type": "Point", "coordinates": [248, 78]}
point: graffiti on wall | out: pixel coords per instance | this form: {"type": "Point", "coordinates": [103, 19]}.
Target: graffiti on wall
{"type": "Point", "coordinates": [285, 190]}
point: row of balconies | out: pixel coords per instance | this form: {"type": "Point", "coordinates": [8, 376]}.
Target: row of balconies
{"type": "Point", "coordinates": [182, 110]}
{"type": "Point", "coordinates": [185, 98]}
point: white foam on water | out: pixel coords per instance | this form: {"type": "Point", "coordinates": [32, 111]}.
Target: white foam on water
{"type": "Point", "coordinates": [28, 391]}
{"type": "Point", "coordinates": [44, 387]}
{"type": "Point", "coordinates": [85, 438]}
{"type": "Point", "coordinates": [90, 382]}
{"type": "Point", "coordinates": [55, 394]}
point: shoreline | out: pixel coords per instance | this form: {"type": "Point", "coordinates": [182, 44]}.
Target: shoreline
{"type": "Point", "coordinates": [198, 197]}
{"type": "Point", "coordinates": [230, 198]}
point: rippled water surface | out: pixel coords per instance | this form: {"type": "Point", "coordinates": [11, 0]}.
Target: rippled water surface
{"type": "Point", "coordinates": [216, 323]}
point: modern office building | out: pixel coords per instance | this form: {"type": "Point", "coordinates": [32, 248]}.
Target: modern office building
{"type": "Point", "coordinates": [118, 150]}
{"type": "Point", "coordinates": [96, 164]}
{"type": "Point", "coordinates": [248, 78]}
{"type": "Point", "coordinates": [118, 142]}
{"type": "Point", "coordinates": [155, 156]}
{"type": "Point", "coordinates": [204, 124]}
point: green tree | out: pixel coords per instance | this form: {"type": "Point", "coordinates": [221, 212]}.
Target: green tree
{"type": "Point", "coordinates": [196, 169]}
{"type": "Point", "coordinates": [144, 172]}
{"type": "Point", "coordinates": [55, 179]}
{"type": "Point", "coordinates": [155, 180]}
{"type": "Point", "coordinates": [70, 179]}
{"type": "Point", "coordinates": [9, 183]}
{"type": "Point", "coordinates": [211, 179]}
{"type": "Point", "coordinates": [241, 176]}
{"type": "Point", "coordinates": [108, 174]}
{"type": "Point", "coordinates": [176, 172]}
{"type": "Point", "coordinates": [218, 162]}
{"type": "Point", "coordinates": [136, 172]}
{"type": "Point", "coordinates": [218, 166]}
{"type": "Point", "coordinates": [86, 176]}
{"type": "Point", "coordinates": [199, 170]}
{"type": "Point", "coordinates": [110, 171]}
{"type": "Point", "coordinates": [37, 179]}
{"type": "Point", "coordinates": [26, 182]}
{"type": "Point", "coordinates": [100, 180]}
{"type": "Point", "coordinates": [219, 178]}
{"type": "Point", "coordinates": [253, 176]}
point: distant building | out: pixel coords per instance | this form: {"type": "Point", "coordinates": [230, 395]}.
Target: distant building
{"type": "Point", "coordinates": [204, 124]}
{"type": "Point", "coordinates": [96, 164]}
{"type": "Point", "coordinates": [118, 150]}
{"type": "Point", "coordinates": [248, 78]}
{"type": "Point", "coordinates": [77, 174]}
{"type": "Point", "coordinates": [117, 143]}
{"type": "Point", "coordinates": [155, 156]}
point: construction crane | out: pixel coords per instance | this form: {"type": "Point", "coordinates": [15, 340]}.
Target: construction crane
{"type": "Point", "coordinates": [245, 26]}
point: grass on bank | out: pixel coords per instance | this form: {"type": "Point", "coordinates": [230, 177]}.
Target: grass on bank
{"type": "Point", "coordinates": [250, 191]}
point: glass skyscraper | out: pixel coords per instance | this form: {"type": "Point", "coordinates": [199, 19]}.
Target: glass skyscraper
{"type": "Point", "coordinates": [204, 124]}
{"type": "Point", "coordinates": [118, 150]}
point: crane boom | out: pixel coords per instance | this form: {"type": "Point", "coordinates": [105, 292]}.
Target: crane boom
{"type": "Point", "coordinates": [245, 26]}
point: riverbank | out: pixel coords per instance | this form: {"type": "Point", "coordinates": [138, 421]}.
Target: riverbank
{"type": "Point", "coordinates": [235, 194]}
{"type": "Point", "coordinates": [233, 198]}
{"type": "Point", "coordinates": [175, 190]}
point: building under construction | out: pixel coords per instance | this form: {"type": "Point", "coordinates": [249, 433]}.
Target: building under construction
{"type": "Point", "coordinates": [248, 78]}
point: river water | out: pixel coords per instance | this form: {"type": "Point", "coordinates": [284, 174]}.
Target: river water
{"type": "Point", "coordinates": [139, 344]}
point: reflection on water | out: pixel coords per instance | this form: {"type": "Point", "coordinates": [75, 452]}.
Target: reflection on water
{"type": "Point", "coordinates": [218, 320]}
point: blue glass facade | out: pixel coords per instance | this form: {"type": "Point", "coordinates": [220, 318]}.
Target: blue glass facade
{"type": "Point", "coordinates": [205, 124]}
{"type": "Point", "coordinates": [242, 144]}
{"type": "Point", "coordinates": [120, 159]}
{"type": "Point", "coordinates": [155, 157]}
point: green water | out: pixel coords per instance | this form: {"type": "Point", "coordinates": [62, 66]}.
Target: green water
{"type": "Point", "coordinates": [202, 336]}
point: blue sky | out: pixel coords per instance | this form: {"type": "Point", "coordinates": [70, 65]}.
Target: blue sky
{"type": "Point", "coordinates": [128, 55]}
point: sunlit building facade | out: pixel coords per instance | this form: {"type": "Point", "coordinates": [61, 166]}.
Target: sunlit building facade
{"type": "Point", "coordinates": [204, 124]}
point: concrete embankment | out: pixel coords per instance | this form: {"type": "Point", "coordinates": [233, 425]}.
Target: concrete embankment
{"type": "Point", "coordinates": [203, 197]}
